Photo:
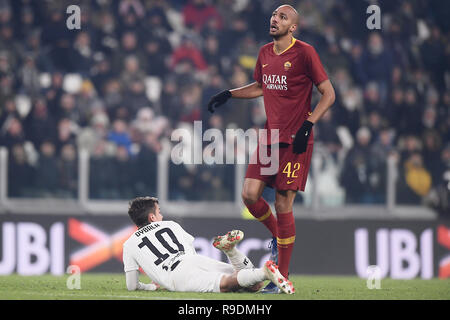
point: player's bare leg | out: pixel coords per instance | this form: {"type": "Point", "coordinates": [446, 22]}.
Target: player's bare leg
{"type": "Point", "coordinates": [258, 207]}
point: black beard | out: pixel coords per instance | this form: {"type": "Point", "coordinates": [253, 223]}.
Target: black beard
{"type": "Point", "coordinates": [278, 36]}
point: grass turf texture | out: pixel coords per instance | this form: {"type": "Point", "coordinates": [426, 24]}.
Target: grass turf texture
{"type": "Point", "coordinates": [112, 286]}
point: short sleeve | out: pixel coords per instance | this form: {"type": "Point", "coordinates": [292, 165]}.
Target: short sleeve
{"type": "Point", "coordinates": [129, 264]}
{"type": "Point", "coordinates": [257, 76]}
{"type": "Point", "coordinates": [316, 71]}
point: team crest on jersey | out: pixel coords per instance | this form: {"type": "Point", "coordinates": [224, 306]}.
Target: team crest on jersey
{"type": "Point", "coordinates": [287, 65]}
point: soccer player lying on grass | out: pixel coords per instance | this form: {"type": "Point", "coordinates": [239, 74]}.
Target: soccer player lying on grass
{"type": "Point", "coordinates": [165, 251]}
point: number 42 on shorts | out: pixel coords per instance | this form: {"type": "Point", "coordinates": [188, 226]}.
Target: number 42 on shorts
{"type": "Point", "coordinates": [291, 174]}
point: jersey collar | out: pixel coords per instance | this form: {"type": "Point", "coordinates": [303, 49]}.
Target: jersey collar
{"type": "Point", "coordinates": [290, 46]}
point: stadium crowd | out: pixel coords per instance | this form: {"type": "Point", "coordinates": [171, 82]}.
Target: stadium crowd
{"type": "Point", "coordinates": [137, 69]}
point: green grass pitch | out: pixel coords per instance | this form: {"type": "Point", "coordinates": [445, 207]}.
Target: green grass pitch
{"type": "Point", "coordinates": [112, 286]}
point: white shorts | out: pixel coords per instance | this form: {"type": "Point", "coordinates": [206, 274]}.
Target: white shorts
{"type": "Point", "coordinates": [197, 273]}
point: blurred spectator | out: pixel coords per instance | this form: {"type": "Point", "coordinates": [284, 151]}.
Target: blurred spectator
{"type": "Point", "coordinates": [113, 99]}
{"type": "Point", "coordinates": [409, 117]}
{"type": "Point", "coordinates": [414, 181]}
{"type": "Point", "coordinates": [102, 172]}
{"type": "Point", "coordinates": [232, 34]}
{"type": "Point", "coordinates": [90, 136]}
{"type": "Point", "coordinates": [81, 55]}
{"type": "Point", "coordinates": [57, 38]}
{"type": "Point", "coordinates": [40, 125]}
{"type": "Point", "coordinates": [198, 13]}
{"type": "Point", "coordinates": [54, 92]}
{"type": "Point", "coordinates": [170, 100]}
{"type": "Point", "coordinates": [101, 73]}
{"type": "Point", "coordinates": [28, 77]}
{"type": "Point", "coordinates": [8, 111]}
{"type": "Point", "coordinates": [395, 106]}
{"type": "Point", "coordinates": [147, 161]}
{"type": "Point", "coordinates": [87, 103]}
{"type": "Point", "coordinates": [119, 135]}
{"type": "Point", "coordinates": [188, 52]}
{"type": "Point", "coordinates": [372, 98]}
{"type": "Point", "coordinates": [47, 177]}
{"type": "Point", "coordinates": [128, 47]}
{"type": "Point", "coordinates": [108, 40]}
{"type": "Point", "coordinates": [384, 145]}
{"type": "Point", "coordinates": [156, 62]}
{"type": "Point", "coordinates": [134, 6]}
{"type": "Point", "coordinates": [334, 58]}
{"type": "Point", "coordinates": [439, 197]}
{"type": "Point", "coordinates": [432, 144]}
{"type": "Point", "coordinates": [212, 53]}
{"type": "Point", "coordinates": [66, 133]}
{"type": "Point", "coordinates": [157, 20]}
{"type": "Point", "coordinates": [375, 123]}
{"type": "Point", "coordinates": [20, 172]}
{"type": "Point", "coordinates": [68, 108]}
{"type": "Point", "coordinates": [241, 115]}
{"type": "Point", "coordinates": [356, 173]}
{"type": "Point", "coordinates": [12, 133]}
{"type": "Point", "coordinates": [68, 171]}
{"type": "Point", "coordinates": [125, 173]}
{"type": "Point", "coordinates": [352, 112]}
{"type": "Point", "coordinates": [326, 132]}
{"type": "Point", "coordinates": [190, 103]}
{"type": "Point", "coordinates": [9, 44]}
{"type": "Point", "coordinates": [32, 46]}
{"type": "Point", "coordinates": [132, 72]}
{"type": "Point", "coordinates": [377, 64]}
{"type": "Point", "coordinates": [433, 55]}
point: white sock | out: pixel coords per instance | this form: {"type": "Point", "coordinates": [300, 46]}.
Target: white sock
{"type": "Point", "coordinates": [238, 260]}
{"type": "Point", "coordinates": [249, 277]}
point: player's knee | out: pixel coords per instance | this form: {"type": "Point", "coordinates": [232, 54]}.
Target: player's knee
{"type": "Point", "coordinates": [282, 206]}
{"type": "Point", "coordinates": [249, 196]}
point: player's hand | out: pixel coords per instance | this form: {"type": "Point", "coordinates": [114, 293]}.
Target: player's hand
{"type": "Point", "coordinates": [218, 100]}
{"type": "Point", "coordinates": [301, 138]}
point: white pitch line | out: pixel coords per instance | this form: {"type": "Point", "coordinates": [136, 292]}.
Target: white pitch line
{"type": "Point", "coordinates": [105, 296]}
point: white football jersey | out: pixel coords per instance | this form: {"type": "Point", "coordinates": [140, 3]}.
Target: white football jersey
{"type": "Point", "coordinates": [157, 248]}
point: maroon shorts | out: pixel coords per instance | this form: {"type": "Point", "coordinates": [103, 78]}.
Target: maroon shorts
{"type": "Point", "coordinates": [291, 173]}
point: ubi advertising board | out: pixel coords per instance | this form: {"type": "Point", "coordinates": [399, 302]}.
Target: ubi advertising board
{"type": "Point", "coordinates": [39, 244]}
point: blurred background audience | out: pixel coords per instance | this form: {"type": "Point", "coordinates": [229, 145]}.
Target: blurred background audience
{"type": "Point", "coordinates": [138, 69]}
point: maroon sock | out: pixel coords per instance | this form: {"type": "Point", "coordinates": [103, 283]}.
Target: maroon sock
{"type": "Point", "coordinates": [285, 240]}
{"type": "Point", "coordinates": [262, 212]}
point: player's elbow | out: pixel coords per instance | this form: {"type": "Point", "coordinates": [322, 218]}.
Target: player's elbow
{"type": "Point", "coordinates": [332, 97]}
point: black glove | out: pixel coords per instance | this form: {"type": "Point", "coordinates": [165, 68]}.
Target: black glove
{"type": "Point", "coordinates": [301, 138]}
{"type": "Point", "coordinates": [218, 100]}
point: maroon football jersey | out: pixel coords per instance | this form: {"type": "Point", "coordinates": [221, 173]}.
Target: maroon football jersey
{"type": "Point", "coordinates": [287, 81]}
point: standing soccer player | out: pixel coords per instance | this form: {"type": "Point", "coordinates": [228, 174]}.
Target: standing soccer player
{"type": "Point", "coordinates": [285, 73]}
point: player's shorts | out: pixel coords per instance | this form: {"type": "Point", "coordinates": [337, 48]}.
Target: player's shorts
{"type": "Point", "coordinates": [197, 273]}
{"type": "Point", "coordinates": [291, 172]}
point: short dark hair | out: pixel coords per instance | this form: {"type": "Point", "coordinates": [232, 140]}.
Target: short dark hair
{"type": "Point", "coordinates": [139, 208]}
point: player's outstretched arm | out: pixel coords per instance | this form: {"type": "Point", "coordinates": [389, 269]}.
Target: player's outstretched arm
{"type": "Point", "coordinates": [132, 280]}
{"type": "Point", "coordinates": [249, 91]}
